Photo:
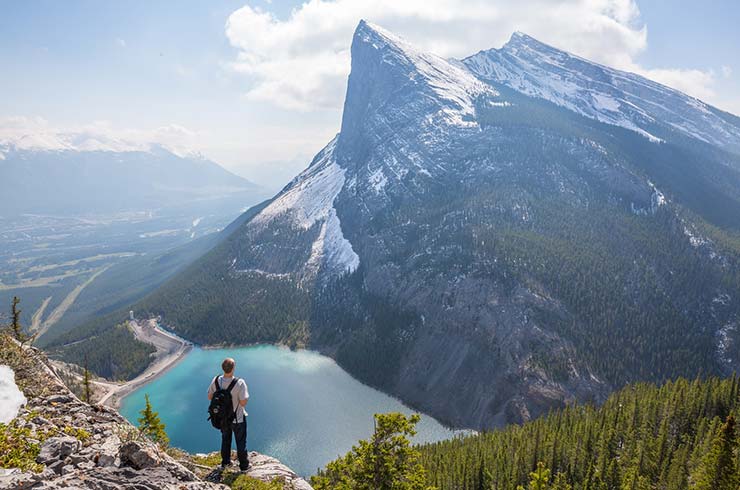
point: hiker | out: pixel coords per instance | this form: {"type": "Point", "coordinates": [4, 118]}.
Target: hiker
{"type": "Point", "coordinates": [228, 396]}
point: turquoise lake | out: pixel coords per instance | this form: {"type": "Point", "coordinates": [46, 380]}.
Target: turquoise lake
{"type": "Point", "coordinates": [303, 408]}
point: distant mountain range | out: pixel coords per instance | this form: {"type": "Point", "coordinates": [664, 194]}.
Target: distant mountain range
{"type": "Point", "coordinates": [76, 182]}
{"type": "Point", "coordinates": [491, 238]}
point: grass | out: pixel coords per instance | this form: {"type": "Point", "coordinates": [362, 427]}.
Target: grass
{"type": "Point", "coordinates": [243, 482]}
{"type": "Point", "coordinates": [18, 449]}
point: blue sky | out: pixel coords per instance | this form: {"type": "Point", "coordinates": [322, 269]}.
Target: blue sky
{"type": "Point", "coordinates": [258, 85]}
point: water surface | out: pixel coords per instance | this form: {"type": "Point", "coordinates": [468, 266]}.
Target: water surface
{"type": "Point", "coordinates": [303, 408]}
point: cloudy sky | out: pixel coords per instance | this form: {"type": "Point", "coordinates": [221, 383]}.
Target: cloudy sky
{"type": "Point", "coordinates": [258, 85]}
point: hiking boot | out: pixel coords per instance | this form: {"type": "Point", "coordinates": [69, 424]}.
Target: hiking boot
{"type": "Point", "coordinates": [246, 468]}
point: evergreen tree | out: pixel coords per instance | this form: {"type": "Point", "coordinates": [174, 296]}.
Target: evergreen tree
{"type": "Point", "coordinates": [539, 479]}
{"type": "Point", "coordinates": [718, 470]}
{"type": "Point", "coordinates": [16, 320]}
{"type": "Point", "coordinates": [484, 477]}
{"type": "Point", "coordinates": [385, 462]}
{"type": "Point", "coordinates": [86, 383]}
{"type": "Point", "coordinates": [150, 424]}
{"type": "Point", "coordinates": [561, 483]}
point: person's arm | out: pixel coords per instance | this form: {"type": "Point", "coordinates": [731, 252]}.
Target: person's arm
{"type": "Point", "coordinates": [244, 398]}
{"type": "Point", "coordinates": [211, 390]}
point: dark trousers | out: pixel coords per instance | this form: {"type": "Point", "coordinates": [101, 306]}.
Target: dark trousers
{"type": "Point", "coordinates": [240, 434]}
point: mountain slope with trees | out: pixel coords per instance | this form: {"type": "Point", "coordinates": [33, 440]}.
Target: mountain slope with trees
{"type": "Point", "coordinates": [679, 436]}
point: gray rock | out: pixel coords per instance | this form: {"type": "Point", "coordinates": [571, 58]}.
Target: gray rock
{"type": "Point", "coordinates": [138, 455]}
{"type": "Point", "coordinates": [105, 454]}
{"type": "Point", "coordinates": [56, 448]}
{"type": "Point", "coordinates": [57, 466]}
{"type": "Point", "coordinates": [67, 469]}
{"type": "Point", "coordinates": [86, 465]}
{"type": "Point", "coordinates": [59, 399]}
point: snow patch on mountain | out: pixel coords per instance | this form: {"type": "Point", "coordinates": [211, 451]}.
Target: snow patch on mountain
{"type": "Point", "coordinates": [657, 200]}
{"type": "Point", "coordinates": [378, 180]}
{"type": "Point", "coordinates": [448, 81]}
{"type": "Point", "coordinates": [598, 92]}
{"type": "Point", "coordinates": [309, 199]}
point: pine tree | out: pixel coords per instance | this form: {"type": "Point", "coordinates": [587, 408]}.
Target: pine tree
{"type": "Point", "coordinates": [539, 479]}
{"type": "Point", "coordinates": [561, 483]}
{"type": "Point", "coordinates": [150, 424]}
{"type": "Point", "coordinates": [86, 383]}
{"type": "Point", "coordinates": [16, 322]}
{"type": "Point", "coordinates": [718, 470]}
{"type": "Point", "coordinates": [484, 477]}
{"type": "Point", "coordinates": [386, 462]}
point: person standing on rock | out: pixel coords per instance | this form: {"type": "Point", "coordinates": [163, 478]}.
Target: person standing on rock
{"type": "Point", "coordinates": [228, 396]}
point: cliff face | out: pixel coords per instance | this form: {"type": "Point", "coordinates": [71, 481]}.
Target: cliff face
{"type": "Point", "coordinates": [58, 441]}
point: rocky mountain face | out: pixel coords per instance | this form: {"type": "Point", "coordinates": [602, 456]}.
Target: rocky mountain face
{"type": "Point", "coordinates": [62, 442]}
{"type": "Point", "coordinates": [492, 238]}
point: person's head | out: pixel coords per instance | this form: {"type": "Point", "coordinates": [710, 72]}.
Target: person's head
{"type": "Point", "coordinates": [228, 365]}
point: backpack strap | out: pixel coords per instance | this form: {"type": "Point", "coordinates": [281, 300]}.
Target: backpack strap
{"type": "Point", "coordinates": [215, 382]}
{"type": "Point", "coordinates": [233, 382]}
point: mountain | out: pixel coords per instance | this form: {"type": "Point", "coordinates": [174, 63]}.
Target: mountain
{"type": "Point", "coordinates": [82, 182]}
{"type": "Point", "coordinates": [604, 94]}
{"type": "Point", "coordinates": [486, 241]}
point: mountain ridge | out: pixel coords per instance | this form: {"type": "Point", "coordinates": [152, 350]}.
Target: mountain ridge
{"type": "Point", "coordinates": [601, 92]}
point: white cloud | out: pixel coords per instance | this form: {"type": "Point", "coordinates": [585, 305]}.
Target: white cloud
{"type": "Point", "coordinates": [698, 83]}
{"type": "Point", "coordinates": [36, 133]}
{"type": "Point", "coordinates": [302, 62]}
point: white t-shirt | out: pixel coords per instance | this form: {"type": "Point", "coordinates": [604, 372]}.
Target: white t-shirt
{"type": "Point", "coordinates": [239, 393]}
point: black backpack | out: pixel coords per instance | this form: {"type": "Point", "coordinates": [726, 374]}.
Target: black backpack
{"type": "Point", "coordinates": [221, 410]}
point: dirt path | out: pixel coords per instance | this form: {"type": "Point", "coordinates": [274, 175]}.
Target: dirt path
{"type": "Point", "coordinates": [170, 350]}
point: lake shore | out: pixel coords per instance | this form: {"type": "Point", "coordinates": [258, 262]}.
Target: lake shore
{"type": "Point", "coordinates": [171, 349]}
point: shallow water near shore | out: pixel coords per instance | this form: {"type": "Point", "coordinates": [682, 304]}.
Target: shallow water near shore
{"type": "Point", "coordinates": [303, 408]}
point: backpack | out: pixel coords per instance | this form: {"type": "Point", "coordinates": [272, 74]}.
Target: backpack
{"type": "Point", "coordinates": [221, 410]}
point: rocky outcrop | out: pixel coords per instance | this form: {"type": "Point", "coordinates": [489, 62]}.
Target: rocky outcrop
{"type": "Point", "coordinates": [262, 468]}
{"type": "Point", "coordinates": [72, 444]}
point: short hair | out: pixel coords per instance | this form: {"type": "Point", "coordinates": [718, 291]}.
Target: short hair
{"type": "Point", "coordinates": [228, 365]}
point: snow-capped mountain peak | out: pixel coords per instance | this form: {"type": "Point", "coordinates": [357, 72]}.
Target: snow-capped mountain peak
{"type": "Point", "coordinates": [449, 82]}
{"type": "Point", "coordinates": [607, 95]}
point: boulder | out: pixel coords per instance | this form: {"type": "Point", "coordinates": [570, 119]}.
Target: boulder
{"type": "Point", "coordinates": [56, 448]}
{"type": "Point", "coordinates": [138, 455]}
{"type": "Point", "coordinates": [59, 399]}
{"type": "Point", "coordinates": [106, 453]}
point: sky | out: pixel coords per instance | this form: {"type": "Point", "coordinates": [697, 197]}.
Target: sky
{"type": "Point", "coordinates": [258, 85]}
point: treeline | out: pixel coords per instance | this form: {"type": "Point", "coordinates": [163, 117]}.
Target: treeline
{"type": "Point", "coordinates": [680, 436]}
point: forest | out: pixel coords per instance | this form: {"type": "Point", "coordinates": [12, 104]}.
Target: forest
{"type": "Point", "coordinates": [678, 436]}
